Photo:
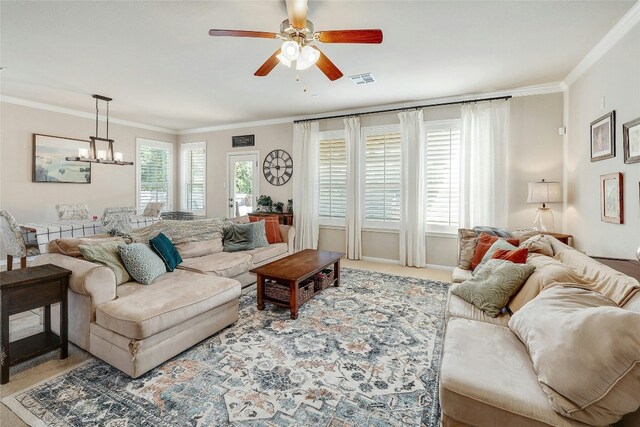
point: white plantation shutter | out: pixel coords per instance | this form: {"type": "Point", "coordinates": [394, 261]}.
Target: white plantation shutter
{"type": "Point", "coordinates": [154, 173]}
{"type": "Point", "coordinates": [332, 177]}
{"type": "Point", "coordinates": [382, 177]}
{"type": "Point", "coordinates": [443, 175]}
{"type": "Point", "coordinates": [194, 175]}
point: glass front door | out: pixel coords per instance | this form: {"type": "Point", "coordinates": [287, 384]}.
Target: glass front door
{"type": "Point", "coordinates": [243, 184]}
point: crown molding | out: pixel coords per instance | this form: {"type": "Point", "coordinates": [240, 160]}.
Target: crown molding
{"type": "Point", "coordinates": [517, 92]}
{"type": "Point", "coordinates": [622, 27]}
{"type": "Point", "coordinates": [83, 114]}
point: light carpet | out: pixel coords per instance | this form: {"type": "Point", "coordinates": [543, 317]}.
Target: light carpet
{"type": "Point", "coordinates": [366, 353]}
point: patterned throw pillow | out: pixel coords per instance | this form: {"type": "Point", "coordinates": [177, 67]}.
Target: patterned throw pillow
{"type": "Point", "coordinates": [108, 255]}
{"type": "Point", "coordinates": [117, 219]}
{"type": "Point", "coordinates": [260, 235]}
{"type": "Point", "coordinates": [79, 212]}
{"type": "Point", "coordinates": [493, 285]}
{"type": "Point", "coordinates": [141, 262]}
{"type": "Point", "coordinates": [153, 209]}
{"type": "Point", "coordinates": [238, 237]}
{"type": "Point", "coordinates": [272, 227]}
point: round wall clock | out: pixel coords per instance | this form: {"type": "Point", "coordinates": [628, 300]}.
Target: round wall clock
{"type": "Point", "coordinates": [277, 167]}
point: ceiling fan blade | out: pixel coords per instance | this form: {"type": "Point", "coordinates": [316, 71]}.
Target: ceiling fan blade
{"type": "Point", "coordinates": [269, 65]}
{"type": "Point", "coordinates": [297, 13]}
{"type": "Point", "coordinates": [328, 68]}
{"type": "Point", "coordinates": [243, 33]}
{"type": "Point", "coordinates": [350, 36]}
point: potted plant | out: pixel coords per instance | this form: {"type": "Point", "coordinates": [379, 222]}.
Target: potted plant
{"type": "Point", "coordinates": [264, 203]}
{"type": "Point", "coordinates": [278, 207]}
{"type": "Point", "coordinates": [290, 206]}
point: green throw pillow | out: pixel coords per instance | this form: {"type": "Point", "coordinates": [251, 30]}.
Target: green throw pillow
{"type": "Point", "coordinates": [238, 237]}
{"type": "Point", "coordinates": [108, 255]}
{"type": "Point", "coordinates": [493, 285]}
{"type": "Point", "coordinates": [142, 263]}
{"type": "Point", "coordinates": [498, 244]}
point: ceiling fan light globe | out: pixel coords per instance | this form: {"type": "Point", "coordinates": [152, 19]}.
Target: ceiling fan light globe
{"type": "Point", "coordinates": [284, 60]}
{"type": "Point", "coordinates": [290, 50]}
{"type": "Point", "coordinates": [308, 57]}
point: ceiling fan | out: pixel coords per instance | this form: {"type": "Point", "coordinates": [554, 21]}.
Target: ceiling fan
{"type": "Point", "coordinates": [298, 37]}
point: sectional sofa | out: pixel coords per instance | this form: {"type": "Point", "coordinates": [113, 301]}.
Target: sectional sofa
{"type": "Point", "coordinates": [136, 327]}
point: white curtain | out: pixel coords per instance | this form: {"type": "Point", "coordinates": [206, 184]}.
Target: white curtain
{"type": "Point", "coordinates": [305, 184]}
{"type": "Point", "coordinates": [484, 143]}
{"type": "Point", "coordinates": [354, 204]}
{"type": "Point", "coordinates": [412, 216]}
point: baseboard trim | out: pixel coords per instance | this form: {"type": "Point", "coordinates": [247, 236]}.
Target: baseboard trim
{"type": "Point", "coordinates": [397, 262]}
{"type": "Point", "coordinates": [440, 267]}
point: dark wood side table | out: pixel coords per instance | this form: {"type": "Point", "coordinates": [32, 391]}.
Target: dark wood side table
{"type": "Point", "coordinates": [26, 289]}
{"type": "Point", "coordinates": [567, 239]}
{"type": "Point", "coordinates": [284, 218]}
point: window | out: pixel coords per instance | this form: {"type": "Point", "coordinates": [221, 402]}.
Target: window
{"type": "Point", "coordinates": [382, 177]}
{"type": "Point", "coordinates": [194, 175]}
{"type": "Point", "coordinates": [442, 175]}
{"type": "Point", "coordinates": [154, 164]}
{"type": "Point", "coordinates": [332, 178]}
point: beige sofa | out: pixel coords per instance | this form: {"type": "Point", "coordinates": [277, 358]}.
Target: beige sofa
{"type": "Point", "coordinates": [487, 377]}
{"type": "Point", "coordinates": [136, 327]}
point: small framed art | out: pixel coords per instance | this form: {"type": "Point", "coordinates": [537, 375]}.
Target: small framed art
{"type": "Point", "coordinates": [611, 203]}
{"type": "Point", "coordinates": [631, 141]}
{"type": "Point", "coordinates": [603, 137]}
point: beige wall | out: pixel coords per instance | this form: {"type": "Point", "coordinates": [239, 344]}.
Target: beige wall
{"type": "Point", "coordinates": [615, 78]}
{"type": "Point", "coordinates": [267, 138]}
{"type": "Point", "coordinates": [29, 201]}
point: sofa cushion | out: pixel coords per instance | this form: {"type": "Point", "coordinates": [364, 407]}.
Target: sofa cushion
{"type": "Point", "coordinates": [261, 255]}
{"type": "Point", "coordinates": [172, 299]}
{"type": "Point", "coordinates": [585, 351]}
{"type": "Point", "coordinates": [457, 307]}
{"type": "Point", "coordinates": [223, 264]}
{"type": "Point", "coordinates": [201, 248]}
{"type": "Point", "coordinates": [486, 379]}
{"type": "Point", "coordinates": [492, 286]}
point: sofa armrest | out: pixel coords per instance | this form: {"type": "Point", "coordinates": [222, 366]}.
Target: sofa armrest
{"type": "Point", "coordinates": [288, 233]}
{"type": "Point", "coordinates": [96, 281]}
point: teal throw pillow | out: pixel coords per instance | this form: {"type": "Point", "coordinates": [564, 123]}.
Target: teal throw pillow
{"type": "Point", "coordinates": [493, 285]}
{"type": "Point", "coordinates": [142, 263]}
{"type": "Point", "coordinates": [165, 249]}
{"type": "Point", "coordinates": [238, 237]}
{"type": "Point", "coordinates": [498, 244]}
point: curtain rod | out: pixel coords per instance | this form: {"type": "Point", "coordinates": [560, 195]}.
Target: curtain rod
{"type": "Point", "coordinates": [390, 110]}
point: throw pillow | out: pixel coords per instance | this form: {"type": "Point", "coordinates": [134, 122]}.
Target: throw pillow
{"type": "Point", "coordinates": [69, 246]}
{"type": "Point", "coordinates": [484, 243]}
{"type": "Point", "coordinates": [498, 244]}
{"type": "Point", "coordinates": [260, 234]}
{"type": "Point", "coordinates": [516, 256]}
{"type": "Point", "coordinates": [162, 246]}
{"type": "Point", "coordinates": [584, 351]}
{"type": "Point", "coordinates": [493, 285]}
{"type": "Point", "coordinates": [153, 209]}
{"type": "Point", "coordinates": [238, 237]}
{"type": "Point", "coordinates": [272, 227]}
{"type": "Point", "coordinates": [71, 212]}
{"type": "Point", "coordinates": [538, 244]}
{"type": "Point", "coordinates": [142, 263]}
{"type": "Point", "coordinates": [117, 220]}
{"type": "Point", "coordinates": [467, 241]}
{"type": "Point", "coordinates": [108, 255]}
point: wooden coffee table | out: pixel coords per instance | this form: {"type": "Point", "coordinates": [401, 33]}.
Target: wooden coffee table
{"type": "Point", "coordinates": [293, 270]}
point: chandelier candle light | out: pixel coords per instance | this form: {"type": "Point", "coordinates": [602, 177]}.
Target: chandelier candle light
{"type": "Point", "coordinates": [544, 192]}
{"type": "Point", "coordinates": [91, 155]}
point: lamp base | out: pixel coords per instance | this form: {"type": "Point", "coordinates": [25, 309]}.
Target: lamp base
{"type": "Point", "coordinates": [543, 220]}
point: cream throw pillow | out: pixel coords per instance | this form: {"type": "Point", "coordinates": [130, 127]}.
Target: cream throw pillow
{"type": "Point", "coordinates": [467, 242]}
{"type": "Point", "coordinates": [585, 351]}
{"type": "Point", "coordinates": [538, 244]}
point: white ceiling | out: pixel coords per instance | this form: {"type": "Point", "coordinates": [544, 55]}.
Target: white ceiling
{"type": "Point", "coordinates": [159, 64]}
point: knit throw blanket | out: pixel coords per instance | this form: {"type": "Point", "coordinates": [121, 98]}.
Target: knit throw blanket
{"type": "Point", "coordinates": [179, 231]}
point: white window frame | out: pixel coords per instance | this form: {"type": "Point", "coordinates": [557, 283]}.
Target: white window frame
{"type": "Point", "coordinates": [183, 176]}
{"type": "Point", "coordinates": [141, 142]}
{"type": "Point", "coordinates": [324, 221]}
{"type": "Point", "coordinates": [371, 225]}
{"type": "Point", "coordinates": [433, 229]}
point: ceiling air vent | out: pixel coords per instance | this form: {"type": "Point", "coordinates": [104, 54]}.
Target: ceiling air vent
{"type": "Point", "coordinates": [362, 79]}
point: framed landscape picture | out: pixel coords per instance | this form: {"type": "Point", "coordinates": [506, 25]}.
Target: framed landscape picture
{"type": "Point", "coordinates": [631, 141]}
{"type": "Point", "coordinates": [611, 203]}
{"type": "Point", "coordinates": [603, 137]}
{"type": "Point", "coordinates": [50, 164]}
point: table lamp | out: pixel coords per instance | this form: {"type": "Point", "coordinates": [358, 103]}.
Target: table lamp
{"type": "Point", "coordinates": [544, 192]}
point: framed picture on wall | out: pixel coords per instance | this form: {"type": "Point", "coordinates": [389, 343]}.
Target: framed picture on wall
{"type": "Point", "coordinates": [50, 164]}
{"type": "Point", "coordinates": [603, 137]}
{"type": "Point", "coordinates": [611, 203]}
{"type": "Point", "coordinates": [631, 141]}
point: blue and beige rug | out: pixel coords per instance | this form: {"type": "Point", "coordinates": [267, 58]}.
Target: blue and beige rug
{"type": "Point", "coordinates": [364, 354]}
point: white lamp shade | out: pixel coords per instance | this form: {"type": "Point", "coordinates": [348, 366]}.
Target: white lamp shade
{"type": "Point", "coordinates": [308, 57]}
{"type": "Point", "coordinates": [290, 50]}
{"type": "Point", "coordinates": [544, 192]}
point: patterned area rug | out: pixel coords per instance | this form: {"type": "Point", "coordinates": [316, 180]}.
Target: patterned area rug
{"type": "Point", "coordinates": [364, 354]}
